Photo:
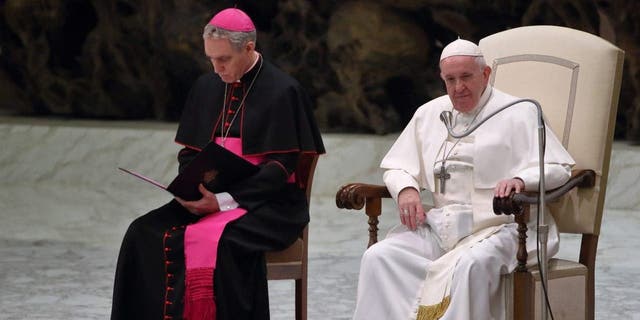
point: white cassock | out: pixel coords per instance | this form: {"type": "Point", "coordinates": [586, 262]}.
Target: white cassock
{"type": "Point", "coordinates": [392, 275]}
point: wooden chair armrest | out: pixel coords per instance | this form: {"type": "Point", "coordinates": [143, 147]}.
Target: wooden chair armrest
{"type": "Point", "coordinates": [353, 196]}
{"type": "Point", "coordinates": [518, 205]}
{"type": "Point", "coordinates": [515, 203]}
{"type": "Point", "coordinates": [357, 195]}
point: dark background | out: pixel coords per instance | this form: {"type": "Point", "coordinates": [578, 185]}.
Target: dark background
{"type": "Point", "coordinates": [366, 64]}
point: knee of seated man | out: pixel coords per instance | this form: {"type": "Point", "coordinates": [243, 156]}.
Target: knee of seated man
{"type": "Point", "coordinates": [141, 223]}
{"type": "Point", "coordinates": [477, 262]}
{"type": "Point", "coordinates": [379, 253]}
{"type": "Point", "coordinates": [384, 252]}
{"type": "Point", "coordinates": [159, 216]}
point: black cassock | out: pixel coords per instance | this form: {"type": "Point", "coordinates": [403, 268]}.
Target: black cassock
{"type": "Point", "coordinates": [276, 121]}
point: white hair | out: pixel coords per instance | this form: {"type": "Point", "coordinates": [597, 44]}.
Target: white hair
{"type": "Point", "coordinates": [237, 38]}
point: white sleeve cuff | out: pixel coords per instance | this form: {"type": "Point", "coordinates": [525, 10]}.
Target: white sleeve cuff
{"type": "Point", "coordinates": [555, 176]}
{"type": "Point", "coordinates": [396, 180]}
{"type": "Point", "coordinates": [226, 201]}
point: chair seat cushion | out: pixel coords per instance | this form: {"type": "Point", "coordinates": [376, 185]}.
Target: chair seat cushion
{"type": "Point", "coordinates": [560, 268]}
{"type": "Point", "coordinates": [567, 289]}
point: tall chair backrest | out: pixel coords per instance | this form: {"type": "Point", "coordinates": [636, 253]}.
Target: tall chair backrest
{"type": "Point", "coordinates": [292, 263]}
{"type": "Point", "coordinates": [576, 77]}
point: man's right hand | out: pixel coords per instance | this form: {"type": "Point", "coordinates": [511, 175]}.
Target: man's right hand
{"type": "Point", "coordinates": [410, 208]}
{"type": "Point", "coordinates": [206, 205]}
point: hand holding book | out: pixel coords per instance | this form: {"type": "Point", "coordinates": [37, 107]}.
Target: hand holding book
{"type": "Point", "coordinates": [205, 205]}
{"type": "Point", "coordinates": [214, 166]}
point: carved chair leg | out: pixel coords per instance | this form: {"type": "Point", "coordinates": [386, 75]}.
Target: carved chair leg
{"type": "Point", "coordinates": [373, 209]}
{"type": "Point", "coordinates": [523, 291]}
{"type": "Point", "coordinates": [521, 220]}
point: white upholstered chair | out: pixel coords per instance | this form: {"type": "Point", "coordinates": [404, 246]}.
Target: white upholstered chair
{"type": "Point", "coordinates": [576, 77]}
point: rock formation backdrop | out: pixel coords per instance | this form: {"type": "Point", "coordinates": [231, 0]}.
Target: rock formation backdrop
{"type": "Point", "coordinates": [367, 64]}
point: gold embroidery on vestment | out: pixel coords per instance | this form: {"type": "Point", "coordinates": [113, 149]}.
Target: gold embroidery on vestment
{"type": "Point", "coordinates": [434, 311]}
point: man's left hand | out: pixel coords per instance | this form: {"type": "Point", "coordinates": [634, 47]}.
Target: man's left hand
{"type": "Point", "coordinates": [504, 187]}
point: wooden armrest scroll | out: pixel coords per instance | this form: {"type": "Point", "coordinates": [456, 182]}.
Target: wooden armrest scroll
{"type": "Point", "coordinates": [357, 195]}
{"type": "Point", "coordinates": [514, 203]}
{"type": "Point", "coordinates": [518, 205]}
{"type": "Point", "coordinates": [354, 195]}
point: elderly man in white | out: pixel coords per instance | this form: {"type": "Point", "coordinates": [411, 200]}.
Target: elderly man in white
{"type": "Point", "coordinates": [446, 263]}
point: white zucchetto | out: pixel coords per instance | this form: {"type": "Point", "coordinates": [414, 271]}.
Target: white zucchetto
{"type": "Point", "coordinates": [461, 47]}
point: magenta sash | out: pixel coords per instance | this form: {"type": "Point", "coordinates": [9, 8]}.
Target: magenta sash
{"type": "Point", "coordinates": [201, 251]}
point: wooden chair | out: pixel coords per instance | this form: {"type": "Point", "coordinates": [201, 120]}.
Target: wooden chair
{"type": "Point", "coordinates": [291, 263]}
{"type": "Point", "coordinates": [576, 77]}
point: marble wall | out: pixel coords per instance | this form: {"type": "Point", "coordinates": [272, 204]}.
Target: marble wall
{"type": "Point", "coordinates": [72, 166]}
{"type": "Point", "coordinates": [64, 207]}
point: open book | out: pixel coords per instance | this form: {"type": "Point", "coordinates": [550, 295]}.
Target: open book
{"type": "Point", "coordinates": [214, 166]}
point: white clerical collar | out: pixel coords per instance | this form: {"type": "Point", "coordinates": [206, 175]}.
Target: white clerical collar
{"type": "Point", "coordinates": [255, 61]}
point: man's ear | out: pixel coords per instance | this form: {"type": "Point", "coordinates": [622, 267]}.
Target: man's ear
{"type": "Point", "coordinates": [250, 46]}
{"type": "Point", "coordinates": [486, 72]}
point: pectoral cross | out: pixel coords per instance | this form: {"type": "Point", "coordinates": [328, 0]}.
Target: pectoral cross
{"type": "Point", "coordinates": [443, 176]}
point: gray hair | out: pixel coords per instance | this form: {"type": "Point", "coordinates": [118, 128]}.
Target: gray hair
{"type": "Point", "coordinates": [237, 38]}
{"type": "Point", "coordinates": [480, 61]}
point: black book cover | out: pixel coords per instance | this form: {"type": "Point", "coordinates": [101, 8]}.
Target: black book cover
{"type": "Point", "coordinates": [214, 166]}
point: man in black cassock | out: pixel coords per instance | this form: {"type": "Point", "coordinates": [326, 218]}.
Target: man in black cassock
{"type": "Point", "coordinates": [256, 110]}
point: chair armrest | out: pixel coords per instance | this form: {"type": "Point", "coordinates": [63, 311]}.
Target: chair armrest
{"type": "Point", "coordinates": [518, 205]}
{"type": "Point", "coordinates": [354, 195]}
{"type": "Point", "coordinates": [515, 203]}
{"type": "Point", "coordinates": [357, 195]}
